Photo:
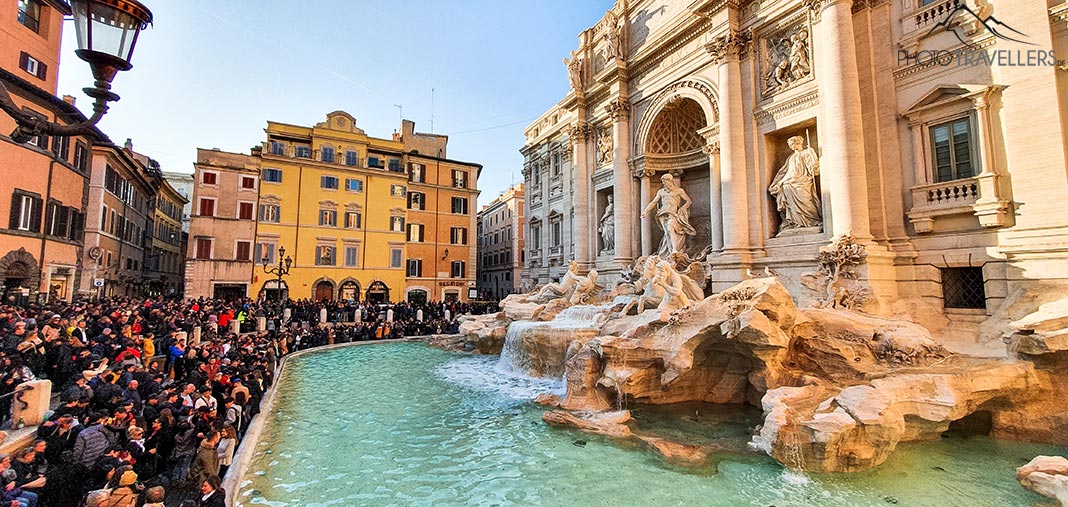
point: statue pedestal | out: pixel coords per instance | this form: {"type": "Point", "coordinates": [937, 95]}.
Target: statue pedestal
{"type": "Point", "coordinates": [31, 402]}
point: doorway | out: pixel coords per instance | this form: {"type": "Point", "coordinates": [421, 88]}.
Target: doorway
{"type": "Point", "coordinates": [324, 291]}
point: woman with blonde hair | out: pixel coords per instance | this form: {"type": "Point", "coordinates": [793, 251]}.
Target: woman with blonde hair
{"type": "Point", "coordinates": [227, 445]}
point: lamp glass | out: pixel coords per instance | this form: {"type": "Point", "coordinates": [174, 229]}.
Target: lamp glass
{"type": "Point", "coordinates": [105, 29]}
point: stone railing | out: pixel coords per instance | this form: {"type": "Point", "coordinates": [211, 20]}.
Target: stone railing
{"type": "Point", "coordinates": [934, 13]}
{"type": "Point", "coordinates": [978, 195]}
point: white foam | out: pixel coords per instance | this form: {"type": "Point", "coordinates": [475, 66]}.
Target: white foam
{"type": "Point", "coordinates": [479, 373]}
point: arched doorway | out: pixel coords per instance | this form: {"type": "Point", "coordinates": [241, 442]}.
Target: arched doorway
{"type": "Point", "coordinates": [18, 273]}
{"type": "Point", "coordinates": [275, 290]}
{"type": "Point", "coordinates": [417, 296]}
{"type": "Point", "coordinates": [377, 292]}
{"type": "Point", "coordinates": [675, 146]}
{"type": "Point", "coordinates": [324, 291]}
{"type": "Point", "coordinates": [349, 291]}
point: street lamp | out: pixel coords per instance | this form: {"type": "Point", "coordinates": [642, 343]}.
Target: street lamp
{"type": "Point", "coordinates": [281, 270]}
{"type": "Point", "coordinates": [107, 31]}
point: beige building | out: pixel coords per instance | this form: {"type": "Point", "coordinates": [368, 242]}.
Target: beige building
{"type": "Point", "coordinates": [950, 170]}
{"type": "Point", "coordinates": [500, 244]}
{"type": "Point", "coordinates": [219, 260]}
{"type": "Point", "coordinates": [118, 216]}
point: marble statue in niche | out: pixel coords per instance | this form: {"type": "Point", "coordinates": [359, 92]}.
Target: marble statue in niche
{"type": "Point", "coordinates": [673, 213]}
{"type": "Point", "coordinates": [794, 188]}
{"type": "Point", "coordinates": [608, 228]}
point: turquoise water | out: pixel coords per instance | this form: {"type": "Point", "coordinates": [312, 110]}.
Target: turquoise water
{"type": "Point", "coordinates": [407, 425]}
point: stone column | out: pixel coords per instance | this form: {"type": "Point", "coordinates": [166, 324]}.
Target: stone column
{"type": "Point", "coordinates": [624, 183]}
{"type": "Point", "coordinates": [842, 168]}
{"type": "Point", "coordinates": [646, 195]}
{"type": "Point", "coordinates": [579, 134]}
{"type": "Point", "coordinates": [727, 51]}
{"type": "Point", "coordinates": [715, 195]}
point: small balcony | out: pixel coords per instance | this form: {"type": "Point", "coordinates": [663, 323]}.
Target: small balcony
{"type": "Point", "coordinates": [978, 195]}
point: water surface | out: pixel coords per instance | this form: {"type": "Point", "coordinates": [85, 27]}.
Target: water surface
{"type": "Point", "coordinates": [406, 425]}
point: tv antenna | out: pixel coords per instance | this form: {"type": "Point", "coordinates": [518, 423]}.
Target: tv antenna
{"type": "Point", "coordinates": [400, 112]}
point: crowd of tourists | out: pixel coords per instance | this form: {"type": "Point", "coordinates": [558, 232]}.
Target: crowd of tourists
{"type": "Point", "coordinates": [144, 406]}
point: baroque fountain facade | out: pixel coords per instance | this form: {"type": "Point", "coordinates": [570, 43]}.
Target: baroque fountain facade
{"type": "Point", "coordinates": [750, 202]}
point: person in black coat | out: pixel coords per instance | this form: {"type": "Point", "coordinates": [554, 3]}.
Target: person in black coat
{"type": "Point", "coordinates": [212, 494]}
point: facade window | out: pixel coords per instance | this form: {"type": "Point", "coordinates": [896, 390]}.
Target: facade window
{"type": "Point", "coordinates": [272, 175]}
{"type": "Point", "coordinates": [459, 269]}
{"type": "Point", "coordinates": [270, 213]}
{"type": "Point", "coordinates": [459, 179]}
{"type": "Point", "coordinates": [353, 220]}
{"type": "Point", "coordinates": [396, 256]}
{"type": "Point", "coordinates": [417, 174]}
{"type": "Point", "coordinates": [458, 236]}
{"type": "Point", "coordinates": [207, 207]}
{"type": "Point", "coordinates": [244, 210]}
{"type": "Point", "coordinates": [278, 148]}
{"type": "Point", "coordinates": [328, 182]}
{"type": "Point", "coordinates": [557, 233]}
{"type": "Point", "coordinates": [61, 147]}
{"type": "Point", "coordinates": [328, 217]}
{"type": "Point", "coordinates": [963, 288]}
{"type": "Point", "coordinates": [556, 169]}
{"type": "Point", "coordinates": [81, 157]}
{"type": "Point", "coordinates": [30, 14]}
{"type": "Point", "coordinates": [25, 212]}
{"type": "Point", "coordinates": [354, 184]}
{"type": "Point", "coordinates": [415, 233]}
{"type": "Point", "coordinates": [352, 256]}
{"type": "Point", "coordinates": [302, 151]}
{"type": "Point", "coordinates": [396, 224]}
{"type": "Point", "coordinates": [326, 154]}
{"type": "Point", "coordinates": [208, 178]}
{"type": "Point", "coordinates": [352, 158]}
{"type": "Point", "coordinates": [373, 161]}
{"type": "Point", "coordinates": [395, 165]}
{"type": "Point", "coordinates": [324, 255]}
{"type": "Point", "coordinates": [415, 268]}
{"type": "Point", "coordinates": [204, 247]}
{"type": "Point", "coordinates": [265, 251]}
{"type": "Point", "coordinates": [243, 252]}
{"type": "Point", "coordinates": [952, 149]}
{"type": "Point", "coordinates": [416, 200]}
{"type": "Point", "coordinates": [397, 190]}
{"type": "Point", "coordinates": [459, 205]}
{"type": "Point", "coordinates": [32, 65]}
{"type": "Point", "coordinates": [248, 183]}
{"type": "Point", "coordinates": [535, 234]}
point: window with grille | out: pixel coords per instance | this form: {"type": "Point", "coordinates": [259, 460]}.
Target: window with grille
{"type": "Point", "coordinates": [963, 288]}
{"type": "Point", "coordinates": [952, 149]}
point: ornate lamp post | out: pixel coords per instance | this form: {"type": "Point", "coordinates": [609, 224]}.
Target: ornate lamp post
{"type": "Point", "coordinates": [107, 31]}
{"type": "Point", "coordinates": [284, 263]}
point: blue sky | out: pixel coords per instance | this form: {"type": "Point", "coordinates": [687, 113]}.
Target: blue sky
{"type": "Point", "coordinates": [210, 74]}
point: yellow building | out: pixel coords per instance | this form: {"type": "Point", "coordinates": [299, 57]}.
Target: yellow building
{"type": "Point", "coordinates": [336, 200]}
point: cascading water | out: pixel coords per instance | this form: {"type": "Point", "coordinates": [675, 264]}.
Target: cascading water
{"type": "Point", "coordinates": [539, 348]}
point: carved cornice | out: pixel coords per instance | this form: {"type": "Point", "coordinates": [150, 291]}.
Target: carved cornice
{"type": "Point", "coordinates": [863, 5]}
{"type": "Point", "coordinates": [787, 108]}
{"type": "Point", "coordinates": [675, 161]}
{"type": "Point", "coordinates": [618, 109]}
{"type": "Point", "coordinates": [734, 44]}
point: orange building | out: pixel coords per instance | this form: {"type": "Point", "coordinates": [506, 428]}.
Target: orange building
{"type": "Point", "coordinates": [442, 204]}
{"type": "Point", "coordinates": [44, 182]}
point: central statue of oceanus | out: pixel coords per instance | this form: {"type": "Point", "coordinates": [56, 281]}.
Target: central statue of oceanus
{"type": "Point", "coordinates": [673, 213]}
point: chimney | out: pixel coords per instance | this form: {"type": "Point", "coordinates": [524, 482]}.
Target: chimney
{"type": "Point", "coordinates": [70, 99]}
{"type": "Point", "coordinates": [396, 136]}
{"type": "Point", "coordinates": [128, 145]}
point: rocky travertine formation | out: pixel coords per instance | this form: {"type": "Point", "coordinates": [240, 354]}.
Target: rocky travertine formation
{"type": "Point", "coordinates": [1042, 332]}
{"type": "Point", "coordinates": [1047, 476]}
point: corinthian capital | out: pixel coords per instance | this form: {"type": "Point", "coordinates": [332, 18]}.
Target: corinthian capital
{"type": "Point", "coordinates": [618, 109]}
{"type": "Point", "coordinates": [815, 9]}
{"type": "Point", "coordinates": [712, 148]}
{"type": "Point", "coordinates": [579, 132]}
{"type": "Point", "coordinates": [734, 44]}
